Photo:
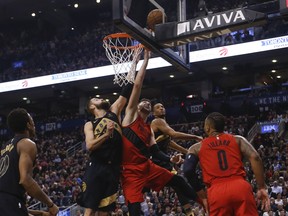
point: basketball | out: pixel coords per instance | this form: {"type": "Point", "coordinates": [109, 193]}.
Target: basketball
{"type": "Point", "coordinates": [154, 17]}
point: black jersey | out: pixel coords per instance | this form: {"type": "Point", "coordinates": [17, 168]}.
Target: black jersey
{"type": "Point", "coordinates": [9, 169]}
{"type": "Point", "coordinates": [101, 178]}
{"type": "Point", "coordinates": [163, 143]}
{"type": "Point", "coordinates": [111, 150]}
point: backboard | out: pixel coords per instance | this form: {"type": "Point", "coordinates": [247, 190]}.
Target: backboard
{"type": "Point", "coordinates": [130, 16]}
{"type": "Point", "coordinates": [171, 38]}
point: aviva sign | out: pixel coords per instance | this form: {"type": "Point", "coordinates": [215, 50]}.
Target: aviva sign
{"type": "Point", "coordinates": [202, 28]}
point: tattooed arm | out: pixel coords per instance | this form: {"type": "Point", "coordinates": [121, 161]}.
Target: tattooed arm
{"type": "Point", "coordinates": [249, 152]}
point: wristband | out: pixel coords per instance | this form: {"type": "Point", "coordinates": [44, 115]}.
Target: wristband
{"type": "Point", "coordinates": [156, 152]}
{"type": "Point", "coordinates": [126, 90]}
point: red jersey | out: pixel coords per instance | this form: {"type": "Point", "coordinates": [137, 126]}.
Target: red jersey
{"type": "Point", "coordinates": [220, 157]}
{"type": "Point", "coordinates": [138, 170]}
{"type": "Point", "coordinates": [136, 142]}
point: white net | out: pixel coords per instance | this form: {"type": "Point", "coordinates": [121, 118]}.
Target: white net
{"type": "Point", "coordinates": [122, 51]}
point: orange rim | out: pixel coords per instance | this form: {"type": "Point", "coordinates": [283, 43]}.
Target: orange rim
{"type": "Point", "coordinates": [121, 35]}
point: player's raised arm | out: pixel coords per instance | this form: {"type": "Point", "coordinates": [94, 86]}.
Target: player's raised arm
{"type": "Point", "coordinates": [163, 126]}
{"type": "Point", "coordinates": [160, 124]}
{"type": "Point", "coordinates": [173, 145]}
{"type": "Point", "coordinates": [131, 109]}
{"type": "Point", "coordinates": [120, 103]}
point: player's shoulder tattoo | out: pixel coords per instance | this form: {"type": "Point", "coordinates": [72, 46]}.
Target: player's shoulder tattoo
{"type": "Point", "coordinates": [194, 149]}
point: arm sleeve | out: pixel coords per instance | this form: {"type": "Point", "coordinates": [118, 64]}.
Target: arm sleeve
{"type": "Point", "coordinates": [126, 90]}
{"type": "Point", "coordinates": [157, 153]}
{"type": "Point", "coordinates": [189, 169]}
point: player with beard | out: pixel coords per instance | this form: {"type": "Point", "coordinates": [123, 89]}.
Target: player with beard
{"type": "Point", "coordinates": [138, 171]}
{"type": "Point", "coordinates": [221, 158]}
{"type": "Point", "coordinates": [163, 135]}
{"type": "Point", "coordinates": [103, 137]}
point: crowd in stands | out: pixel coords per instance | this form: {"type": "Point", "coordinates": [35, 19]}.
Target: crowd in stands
{"type": "Point", "coordinates": [25, 55]}
{"type": "Point", "coordinates": [59, 175]}
{"type": "Point", "coordinates": [218, 6]}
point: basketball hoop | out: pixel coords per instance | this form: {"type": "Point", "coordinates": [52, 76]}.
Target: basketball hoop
{"type": "Point", "coordinates": [122, 51]}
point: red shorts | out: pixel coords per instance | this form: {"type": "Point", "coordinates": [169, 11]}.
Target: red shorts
{"type": "Point", "coordinates": [137, 176]}
{"type": "Point", "coordinates": [233, 196]}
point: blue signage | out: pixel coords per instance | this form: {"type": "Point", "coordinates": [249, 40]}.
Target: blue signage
{"type": "Point", "coordinates": [268, 128]}
{"type": "Point", "coordinates": [271, 99]}
{"type": "Point", "coordinates": [64, 213]}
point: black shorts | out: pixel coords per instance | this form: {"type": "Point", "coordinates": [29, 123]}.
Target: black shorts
{"type": "Point", "coordinates": [99, 187]}
{"type": "Point", "coordinates": [11, 205]}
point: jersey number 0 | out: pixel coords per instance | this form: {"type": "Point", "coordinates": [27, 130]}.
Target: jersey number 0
{"type": "Point", "coordinates": [222, 159]}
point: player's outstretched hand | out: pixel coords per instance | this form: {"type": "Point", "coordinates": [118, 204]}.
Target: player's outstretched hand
{"type": "Point", "coordinates": [265, 201]}
{"type": "Point", "coordinates": [110, 128]}
{"type": "Point", "coordinates": [147, 54]}
{"type": "Point", "coordinates": [177, 159]}
{"type": "Point", "coordinates": [203, 197]}
{"type": "Point", "coordinates": [205, 205]}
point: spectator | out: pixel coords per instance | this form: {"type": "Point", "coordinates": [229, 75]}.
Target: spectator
{"type": "Point", "coordinates": [62, 201]}
{"type": "Point", "coordinates": [273, 204]}
{"type": "Point", "coordinates": [168, 211]}
{"type": "Point", "coordinates": [275, 189]}
{"type": "Point", "coordinates": [269, 213]}
{"type": "Point", "coordinates": [285, 204]}
{"type": "Point", "coordinates": [151, 212]}
{"type": "Point", "coordinates": [247, 37]}
{"type": "Point", "coordinates": [280, 211]}
{"type": "Point", "coordinates": [278, 200]}
{"type": "Point", "coordinates": [179, 211]}
{"type": "Point", "coordinates": [159, 209]}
